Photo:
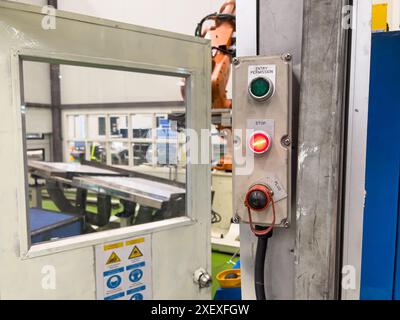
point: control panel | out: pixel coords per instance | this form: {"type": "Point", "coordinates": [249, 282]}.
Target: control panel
{"type": "Point", "coordinates": [262, 121]}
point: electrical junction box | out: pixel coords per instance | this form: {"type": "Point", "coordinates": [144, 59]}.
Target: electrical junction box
{"type": "Point", "coordinates": [262, 130]}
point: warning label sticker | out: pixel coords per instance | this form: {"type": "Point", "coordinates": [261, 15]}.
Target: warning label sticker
{"type": "Point", "coordinates": [113, 258]}
{"type": "Point", "coordinates": [123, 270]}
{"type": "Point", "coordinates": [136, 253]}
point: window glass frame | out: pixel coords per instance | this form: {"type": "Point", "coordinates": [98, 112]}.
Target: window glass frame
{"type": "Point", "coordinates": [29, 251]}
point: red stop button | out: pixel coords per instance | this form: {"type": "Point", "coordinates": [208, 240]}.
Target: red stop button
{"type": "Point", "coordinates": [260, 142]}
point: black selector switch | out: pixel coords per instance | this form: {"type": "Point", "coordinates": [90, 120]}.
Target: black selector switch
{"type": "Point", "coordinates": [258, 200]}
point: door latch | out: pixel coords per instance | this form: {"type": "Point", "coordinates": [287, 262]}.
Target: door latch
{"type": "Point", "coordinates": [202, 278]}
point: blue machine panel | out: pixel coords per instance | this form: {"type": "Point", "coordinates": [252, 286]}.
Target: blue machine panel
{"type": "Point", "coordinates": [46, 225]}
{"type": "Point", "coordinates": [380, 275]}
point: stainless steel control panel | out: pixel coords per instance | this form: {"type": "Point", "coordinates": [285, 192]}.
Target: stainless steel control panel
{"type": "Point", "coordinates": [262, 118]}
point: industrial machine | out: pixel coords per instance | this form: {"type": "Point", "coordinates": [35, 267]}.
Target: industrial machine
{"type": "Point", "coordinates": [222, 37]}
{"type": "Point", "coordinates": [154, 198]}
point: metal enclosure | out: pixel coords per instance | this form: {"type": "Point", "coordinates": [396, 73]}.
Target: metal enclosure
{"type": "Point", "coordinates": [180, 246]}
{"type": "Point", "coordinates": [272, 116]}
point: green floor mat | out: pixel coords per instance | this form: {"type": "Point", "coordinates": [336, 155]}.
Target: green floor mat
{"type": "Point", "coordinates": [220, 262]}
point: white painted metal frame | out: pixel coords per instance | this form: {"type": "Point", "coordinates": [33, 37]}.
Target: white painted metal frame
{"type": "Point", "coordinates": [22, 36]}
{"type": "Point", "coordinates": [246, 35]}
{"type": "Point", "coordinates": [28, 251]}
{"type": "Point", "coordinates": [357, 143]}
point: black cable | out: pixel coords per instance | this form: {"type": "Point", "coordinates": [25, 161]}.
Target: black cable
{"type": "Point", "coordinates": [199, 26]}
{"type": "Point", "coordinates": [215, 217]}
{"type": "Point", "coordinates": [213, 16]}
{"type": "Point", "coordinates": [228, 52]}
{"type": "Point", "coordinates": [259, 266]}
{"type": "Point", "coordinates": [262, 244]}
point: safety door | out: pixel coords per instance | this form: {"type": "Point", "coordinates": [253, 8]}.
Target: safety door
{"type": "Point", "coordinates": [101, 198]}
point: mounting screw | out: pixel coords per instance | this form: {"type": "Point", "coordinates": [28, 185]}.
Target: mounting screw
{"type": "Point", "coordinates": [236, 61]}
{"type": "Point", "coordinates": [287, 57]}
{"type": "Point", "coordinates": [236, 219]}
{"type": "Point", "coordinates": [286, 141]}
{"type": "Point", "coordinates": [286, 224]}
{"type": "Point", "coordinates": [236, 141]}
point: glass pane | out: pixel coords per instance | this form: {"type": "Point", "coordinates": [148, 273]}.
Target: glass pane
{"type": "Point", "coordinates": [142, 126]}
{"type": "Point", "coordinates": [119, 126]}
{"type": "Point", "coordinates": [167, 129]}
{"type": "Point", "coordinates": [79, 127]}
{"type": "Point", "coordinates": [115, 120]}
{"type": "Point", "coordinates": [96, 127]}
{"type": "Point", "coordinates": [167, 154]}
{"type": "Point", "coordinates": [98, 152]}
{"type": "Point", "coordinates": [77, 151]}
{"type": "Point", "coordinates": [70, 127]}
{"type": "Point", "coordinates": [142, 154]}
{"type": "Point", "coordinates": [167, 142]}
{"type": "Point", "coordinates": [160, 118]}
{"type": "Point", "coordinates": [119, 154]}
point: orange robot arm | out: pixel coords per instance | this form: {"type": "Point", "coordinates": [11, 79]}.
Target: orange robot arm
{"type": "Point", "coordinates": [221, 36]}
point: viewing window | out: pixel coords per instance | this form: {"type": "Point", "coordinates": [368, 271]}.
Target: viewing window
{"type": "Point", "coordinates": [103, 149]}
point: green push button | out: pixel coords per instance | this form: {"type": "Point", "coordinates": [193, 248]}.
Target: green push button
{"type": "Point", "coordinates": [261, 88]}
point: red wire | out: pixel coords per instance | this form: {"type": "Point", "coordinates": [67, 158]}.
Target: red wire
{"type": "Point", "coordinates": [252, 227]}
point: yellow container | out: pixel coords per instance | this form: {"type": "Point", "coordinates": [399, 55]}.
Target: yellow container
{"type": "Point", "coordinates": [226, 282]}
{"type": "Point", "coordinates": [379, 17]}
